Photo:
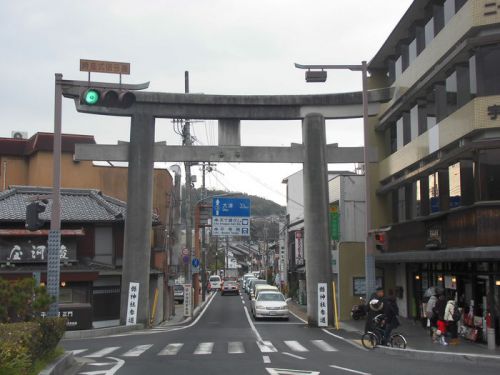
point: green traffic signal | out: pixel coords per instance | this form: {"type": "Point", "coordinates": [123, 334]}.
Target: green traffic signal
{"type": "Point", "coordinates": [91, 97]}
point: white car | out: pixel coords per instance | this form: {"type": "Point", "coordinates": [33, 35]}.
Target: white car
{"type": "Point", "coordinates": [214, 282]}
{"type": "Point", "coordinates": [269, 305]}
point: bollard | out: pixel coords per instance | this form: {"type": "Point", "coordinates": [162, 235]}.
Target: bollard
{"type": "Point", "coordinates": [491, 338]}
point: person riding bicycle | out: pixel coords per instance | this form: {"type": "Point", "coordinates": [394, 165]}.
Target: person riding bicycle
{"type": "Point", "coordinates": [391, 312]}
{"type": "Point", "coordinates": [375, 308]}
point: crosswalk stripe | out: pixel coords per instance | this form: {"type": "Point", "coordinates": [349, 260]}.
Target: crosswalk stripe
{"type": "Point", "coordinates": [75, 352]}
{"type": "Point", "coordinates": [171, 349]}
{"type": "Point", "coordinates": [235, 347]}
{"type": "Point", "coordinates": [323, 345]}
{"type": "Point", "coordinates": [137, 351]}
{"type": "Point", "coordinates": [266, 347]}
{"type": "Point", "coordinates": [204, 348]}
{"type": "Point", "coordinates": [103, 352]}
{"type": "Point", "coordinates": [296, 346]}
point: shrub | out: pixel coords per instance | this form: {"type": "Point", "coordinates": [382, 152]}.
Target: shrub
{"type": "Point", "coordinates": [21, 344]}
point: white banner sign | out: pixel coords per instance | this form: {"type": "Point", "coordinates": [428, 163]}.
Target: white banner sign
{"type": "Point", "coordinates": [322, 305]}
{"type": "Point", "coordinates": [133, 302]}
{"type": "Point", "coordinates": [299, 248]}
{"type": "Point", "coordinates": [188, 304]}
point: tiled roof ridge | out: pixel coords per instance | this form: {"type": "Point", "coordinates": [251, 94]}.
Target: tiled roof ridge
{"type": "Point", "coordinates": [97, 195]}
{"type": "Point", "coordinates": [7, 193]}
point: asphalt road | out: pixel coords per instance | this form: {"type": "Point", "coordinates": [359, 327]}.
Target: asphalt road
{"type": "Point", "coordinates": [226, 340]}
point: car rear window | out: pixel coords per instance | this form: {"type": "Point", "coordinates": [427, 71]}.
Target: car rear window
{"type": "Point", "coordinates": [270, 297]}
{"type": "Point", "coordinates": [179, 287]}
{"type": "Point", "coordinates": [214, 278]}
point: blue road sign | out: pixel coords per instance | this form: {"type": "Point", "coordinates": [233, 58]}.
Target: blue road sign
{"type": "Point", "coordinates": [234, 207]}
{"type": "Point", "coordinates": [195, 262]}
{"type": "Point", "coordinates": [185, 259]}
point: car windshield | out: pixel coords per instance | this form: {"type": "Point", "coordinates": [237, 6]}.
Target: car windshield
{"type": "Point", "coordinates": [230, 283]}
{"type": "Point", "coordinates": [215, 278]}
{"type": "Point", "coordinates": [179, 288]}
{"type": "Point", "coordinates": [271, 297]}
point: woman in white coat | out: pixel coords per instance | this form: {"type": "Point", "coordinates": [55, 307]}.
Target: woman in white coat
{"type": "Point", "coordinates": [448, 317]}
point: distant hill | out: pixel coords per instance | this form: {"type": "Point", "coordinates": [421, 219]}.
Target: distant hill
{"type": "Point", "coordinates": [260, 206]}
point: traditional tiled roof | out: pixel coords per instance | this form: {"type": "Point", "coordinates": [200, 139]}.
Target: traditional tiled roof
{"type": "Point", "coordinates": [77, 205]}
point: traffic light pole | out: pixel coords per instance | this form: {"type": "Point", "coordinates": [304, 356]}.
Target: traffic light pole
{"type": "Point", "coordinates": [54, 240]}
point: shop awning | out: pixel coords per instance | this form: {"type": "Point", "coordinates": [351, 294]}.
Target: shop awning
{"type": "Point", "coordinates": [471, 254]}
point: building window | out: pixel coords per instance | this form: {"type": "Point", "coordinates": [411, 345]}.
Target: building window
{"type": "Point", "coordinates": [399, 133]}
{"type": "Point", "coordinates": [454, 184]}
{"type": "Point", "coordinates": [451, 92]}
{"type": "Point", "coordinates": [449, 10]}
{"type": "Point", "coordinates": [414, 122]}
{"type": "Point", "coordinates": [393, 139]}
{"type": "Point", "coordinates": [401, 204]}
{"type": "Point", "coordinates": [417, 200]}
{"type": "Point", "coordinates": [104, 245]}
{"type": "Point", "coordinates": [473, 76]}
{"type": "Point", "coordinates": [398, 68]}
{"type": "Point", "coordinates": [429, 32]}
{"type": "Point", "coordinates": [487, 65]}
{"type": "Point", "coordinates": [489, 174]}
{"type": "Point", "coordinates": [434, 192]}
{"type": "Point", "coordinates": [412, 51]}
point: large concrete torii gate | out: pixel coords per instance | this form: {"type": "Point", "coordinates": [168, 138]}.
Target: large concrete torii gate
{"type": "Point", "coordinates": [229, 110]}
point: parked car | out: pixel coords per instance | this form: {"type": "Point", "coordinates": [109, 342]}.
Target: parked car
{"type": "Point", "coordinates": [247, 282]}
{"type": "Point", "coordinates": [214, 282]}
{"type": "Point", "coordinates": [228, 287]}
{"type": "Point", "coordinates": [269, 305]}
{"type": "Point", "coordinates": [264, 287]}
{"type": "Point", "coordinates": [245, 278]}
{"type": "Point", "coordinates": [249, 285]}
{"type": "Point", "coordinates": [252, 289]}
{"type": "Point", "coordinates": [179, 293]}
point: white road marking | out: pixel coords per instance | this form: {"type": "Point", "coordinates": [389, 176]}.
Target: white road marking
{"type": "Point", "coordinates": [103, 352]}
{"type": "Point", "coordinates": [257, 334]}
{"type": "Point", "coordinates": [235, 347]}
{"type": "Point", "coordinates": [295, 346]}
{"type": "Point", "coordinates": [204, 348]}
{"type": "Point", "coordinates": [243, 302]}
{"type": "Point", "coordinates": [345, 340]}
{"type": "Point", "coordinates": [279, 323]}
{"type": "Point", "coordinates": [266, 347]}
{"type": "Point", "coordinates": [75, 352]}
{"type": "Point", "coordinates": [266, 359]}
{"type": "Point", "coordinates": [282, 371]}
{"type": "Point", "coordinates": [298, 317]}
{"type": "Point", "coordinates": [350, 370]}
{"type": "Point", "coordinates": [111, 371]}
{"type": "Point", "coordinates": [323, 345]}
{"type": "Point", "coordinates": [293, 355]}
{"type": "Point", "coordinates": [171, 349]}
{"type": "Point", "coordinates": [137, 351]}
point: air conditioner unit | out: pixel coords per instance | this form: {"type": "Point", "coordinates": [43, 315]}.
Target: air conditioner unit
{"type": "Point", "coordinates": [17, 134]}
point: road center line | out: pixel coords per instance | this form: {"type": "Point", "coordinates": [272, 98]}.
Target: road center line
{"type": "Point", "coordinates": [266, 359]}
{"type": "Point", "coordinates": [293, 355]}
{"type": "Point", "coordinates": [350, 370]}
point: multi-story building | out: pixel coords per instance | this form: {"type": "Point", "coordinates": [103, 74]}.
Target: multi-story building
{"type": "Point", "coordinates": [436, 188]}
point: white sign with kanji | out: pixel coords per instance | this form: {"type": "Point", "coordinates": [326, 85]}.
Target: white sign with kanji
{"type": "Point", "coordinates": [188, 303]}
{"type": "Point", "coordinates": [133, 302]}
{"type": "Point", "coordinates": [322, 305]}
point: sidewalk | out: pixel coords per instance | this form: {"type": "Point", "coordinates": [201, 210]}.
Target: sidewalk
{"type": "Point", "coordinates": [419, 342]}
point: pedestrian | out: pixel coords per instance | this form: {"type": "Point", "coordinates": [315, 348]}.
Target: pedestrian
{"type": "Point", "coordinates": [439, 310]}
{"type": "Point", "coordinates": [429, 312]}
{"type": "Point", "coordinates": [391, 312]}
{"type": "Point", "coordinates": [451, 316]}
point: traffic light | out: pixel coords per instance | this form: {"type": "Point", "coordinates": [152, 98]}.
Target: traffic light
{"type": "Point", "coordinates": [380, 241]}
{"type": "Point", "coordinates": [33, 222]}
{"type": "Point", "coordinates": [107, 98]}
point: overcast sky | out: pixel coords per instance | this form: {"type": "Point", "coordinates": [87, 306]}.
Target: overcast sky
{"type": "Point", "coordinates": [228, 46]}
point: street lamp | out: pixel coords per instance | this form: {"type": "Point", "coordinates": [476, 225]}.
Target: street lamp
{"type": "Point", "coordinates": [317, 73]}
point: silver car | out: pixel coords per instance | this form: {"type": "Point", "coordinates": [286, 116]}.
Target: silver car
{"type": "Point", "coordinates": [269, 305]}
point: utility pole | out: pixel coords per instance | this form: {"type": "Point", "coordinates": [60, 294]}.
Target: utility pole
{"type": "Point", "coordinates": [203, 243]}
{"type": "Point", "coordinates": [186, 134]}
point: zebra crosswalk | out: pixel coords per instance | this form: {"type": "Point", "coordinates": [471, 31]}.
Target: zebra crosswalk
{"type": "Point", "coordinates": [207, 348]}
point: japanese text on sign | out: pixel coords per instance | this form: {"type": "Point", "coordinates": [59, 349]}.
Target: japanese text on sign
{"type": "Point", "coordinates": [133, 301]}
{"type": "Point", "coordinates": [187, 300]}
{"type": "Point", "coordinates": [322, 305]}
{"type": "Point", "coordinates": [99, 66]}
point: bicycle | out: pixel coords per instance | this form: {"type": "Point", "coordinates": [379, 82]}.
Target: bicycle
{"type": "Point", "coordinates": [371, 339]}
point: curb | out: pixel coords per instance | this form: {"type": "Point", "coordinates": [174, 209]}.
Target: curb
{"type": "Point", "coordinates": [60, 365]}
{"type": "Point", "coordinates": [99, 332]}
{"type": "Point", "coordinates": [442, 356]}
